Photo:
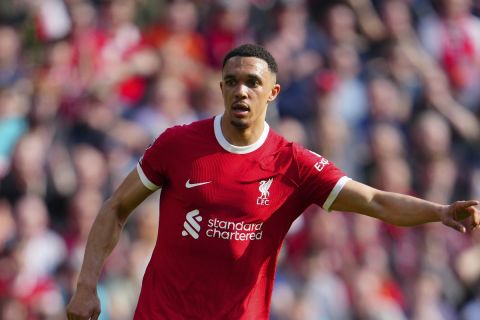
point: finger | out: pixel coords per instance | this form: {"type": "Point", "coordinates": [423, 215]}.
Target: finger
{"type": "Point", "coordinates": [455, 225]}
{"type": "Point", "coordinates": [475, 219]}
{"type": "Point", "coordinates": [464, 209]}
{"type": "Point", "coordinates": [95, 316]}
{"type": "Point", "coordinates": [468, 203]}
{"type": "Point", "coordinates": [72, 316]}
{"type": "Point", "coordinates": [473, 216]}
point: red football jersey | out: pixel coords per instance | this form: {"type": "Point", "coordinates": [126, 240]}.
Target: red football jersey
{"type": "Point", "coordinates": [224, 212]}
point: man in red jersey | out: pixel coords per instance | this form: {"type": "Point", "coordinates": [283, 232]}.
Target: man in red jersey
{"type": "Point", "coordinates": [231, 188]}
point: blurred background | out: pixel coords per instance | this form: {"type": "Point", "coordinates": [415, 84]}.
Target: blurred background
{"type": "Point", "coordinates": [388, 90]}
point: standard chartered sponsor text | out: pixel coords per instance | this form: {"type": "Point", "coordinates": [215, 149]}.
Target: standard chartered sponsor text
{"type": "Point", "coordinates": [229, 230]}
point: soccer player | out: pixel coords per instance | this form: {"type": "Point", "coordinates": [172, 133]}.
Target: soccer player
{"type": "Point", "coordinates": [230, 189]}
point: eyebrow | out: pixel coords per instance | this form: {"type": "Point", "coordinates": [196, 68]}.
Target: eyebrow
{"type": "Point", "coordinates": [249, 76]}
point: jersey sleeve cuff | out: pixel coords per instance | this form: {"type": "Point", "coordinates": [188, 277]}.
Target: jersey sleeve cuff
{"type": "Point", "coordinates": [146, 182]}
{"type": "Point", "coordinates": [334, 193]}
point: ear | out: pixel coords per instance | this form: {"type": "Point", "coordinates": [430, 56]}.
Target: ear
{"type": "Point", "coordinates": [274, 92]}
{"type": "Point", "coordinates": [221, 86]}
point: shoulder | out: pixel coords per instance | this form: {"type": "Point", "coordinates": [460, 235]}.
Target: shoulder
{"type": "Point", "coordinates": [305, 158]}
{"type": "Point", "coordinates": [276, 141]}
{"type": "Point", "coordinates": [280, 147]}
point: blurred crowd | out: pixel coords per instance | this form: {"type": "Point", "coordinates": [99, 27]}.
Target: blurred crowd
{"type": "Point", "coordinates": [388, 90]}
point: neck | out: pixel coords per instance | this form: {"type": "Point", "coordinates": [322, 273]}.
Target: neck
{"type": "Point", "coordinates": [239, 136]}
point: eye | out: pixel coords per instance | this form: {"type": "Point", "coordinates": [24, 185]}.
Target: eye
{"type": "Point", "coordinates": [230, 82]}
{"type": "Point", "coordinates": [253, 83]}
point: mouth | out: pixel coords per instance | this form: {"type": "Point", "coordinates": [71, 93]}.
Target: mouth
{"type": "Point", "coordinates": [240, 109]}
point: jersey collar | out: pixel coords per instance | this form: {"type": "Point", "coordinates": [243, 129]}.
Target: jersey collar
{"type": "Point", "coordinates": [238, 149]}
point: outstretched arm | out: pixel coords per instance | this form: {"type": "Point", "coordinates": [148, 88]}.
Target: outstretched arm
{"type": "Point", "coordinates": [102, 239]}
{"type": "Point", "coordinates": [403, 210]}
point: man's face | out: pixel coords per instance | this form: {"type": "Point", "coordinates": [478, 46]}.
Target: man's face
{"type": "Point", "coordinates": [247, 86]}
{"type": "Point", "coordinates": [456, 8]}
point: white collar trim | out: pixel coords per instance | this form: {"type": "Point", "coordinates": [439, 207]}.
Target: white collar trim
{"type": "Point", "coordinates": [238, 149]}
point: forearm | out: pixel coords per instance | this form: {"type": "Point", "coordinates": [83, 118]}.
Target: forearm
{"type": "Point", "coordinates": [394, 208]}
{"type": "Point", "coordinates": [368, 19]}
{"type": "Point", "coordinates": [462, 120]}
{"type": "Point", "coordinates": [403, 210]}
{"type": "Point", "coordinates": [103, 237]}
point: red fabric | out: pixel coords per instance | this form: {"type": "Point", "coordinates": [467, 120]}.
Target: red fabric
{"type": "Point", "coordinates": [226, 269]}
{"type": "Point", "coordinates": [391, 290]}
{"type": "Point", "coordinates": [192, 44]}
{"type": "Point", "coordinates": [458, 54]}
{"type": "Point", "coordinates": [219, 43]}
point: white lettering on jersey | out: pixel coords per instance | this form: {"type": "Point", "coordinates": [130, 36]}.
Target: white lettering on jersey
{"type": "Point", "coordinates": [221, 229]}
{"type": "Point", "coordinates": [320, 164]}
{"type": "Point", "coordinates": [239, 231]}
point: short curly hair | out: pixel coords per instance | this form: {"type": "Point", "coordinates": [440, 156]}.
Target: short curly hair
{"type": "Point", "coordinates": [252, 50]}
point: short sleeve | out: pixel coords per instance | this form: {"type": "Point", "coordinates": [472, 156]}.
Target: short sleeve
{"type": "Point", "coordinates": [320, 180]}
{"type": "Point", "coordinates": [152, 167]}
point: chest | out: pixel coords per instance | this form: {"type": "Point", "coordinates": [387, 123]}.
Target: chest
{"type": "Point", "coordinates": [238, 185]}
{"type": "Point", "coordinates": [226, 207]}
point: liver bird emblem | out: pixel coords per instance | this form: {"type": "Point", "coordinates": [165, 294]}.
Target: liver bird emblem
{"type": "Point", "coordinates": [263, 188]}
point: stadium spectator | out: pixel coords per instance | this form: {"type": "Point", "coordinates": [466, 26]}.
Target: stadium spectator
{"type": "Point", "coordinates": [452, 37]}
{"type": "Point", "coordinates": [60, 93]}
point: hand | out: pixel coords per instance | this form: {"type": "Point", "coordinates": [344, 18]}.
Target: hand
{"type": "Point", "coordinates": [461, 211]}
{"type": "Point", "coordinates": [84, 305]}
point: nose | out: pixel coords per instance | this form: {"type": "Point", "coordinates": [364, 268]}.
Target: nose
{"type": "Point", "coordinates": [241, 91]}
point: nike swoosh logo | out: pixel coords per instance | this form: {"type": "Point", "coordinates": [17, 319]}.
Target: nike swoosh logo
{"type": "Point", "coordinates": [189, 185]}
